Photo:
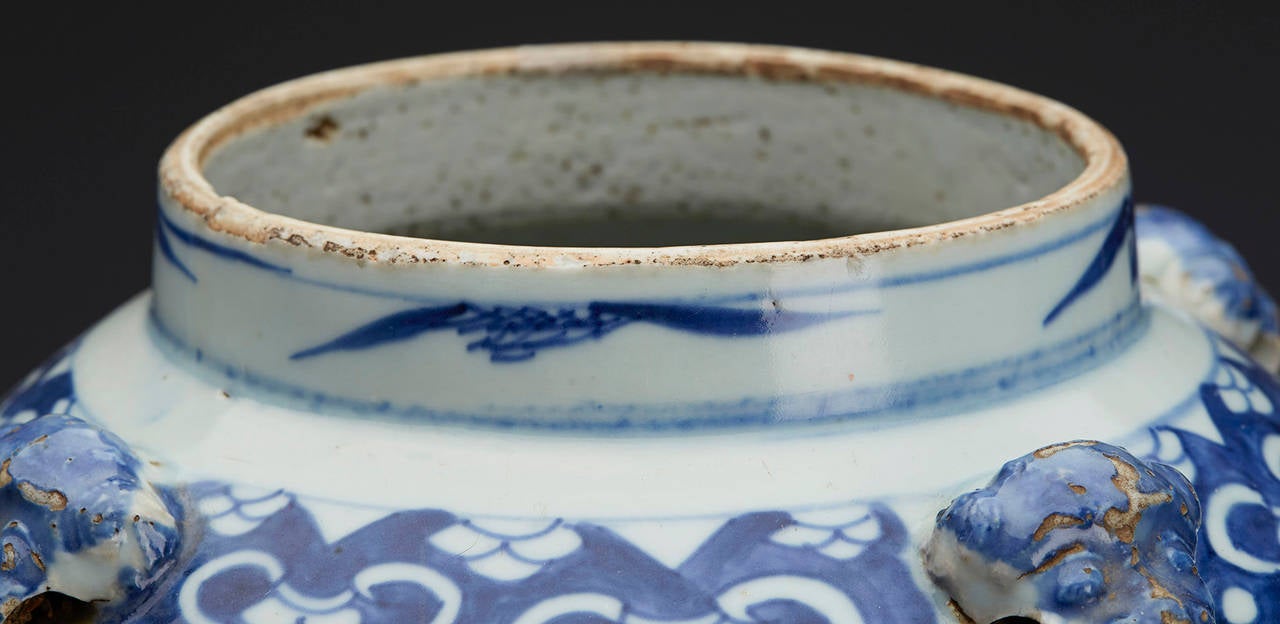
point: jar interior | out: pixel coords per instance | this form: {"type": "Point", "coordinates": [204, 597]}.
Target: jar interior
{"type": "Point", "coordinates": [639, 159]}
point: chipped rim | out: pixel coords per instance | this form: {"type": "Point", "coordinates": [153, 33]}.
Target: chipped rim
{"type": "Point", "coordinates": [181, 176]}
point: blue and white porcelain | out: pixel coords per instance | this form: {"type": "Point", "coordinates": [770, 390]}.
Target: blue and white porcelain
{"type": "Point", "coordinates": [1186, 266]}
{"type": "Point", "coordinates": [654, 333]}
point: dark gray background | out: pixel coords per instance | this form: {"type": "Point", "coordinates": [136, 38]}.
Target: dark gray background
{"type": "Point", "coordinates": [92, 97]}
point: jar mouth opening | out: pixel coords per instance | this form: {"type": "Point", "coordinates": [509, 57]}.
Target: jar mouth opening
{"type": "Point", "coordinates": [220, 168]}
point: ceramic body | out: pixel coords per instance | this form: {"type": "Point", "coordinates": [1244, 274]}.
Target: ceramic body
{"type": "Point", "coordinates": [322, 425]}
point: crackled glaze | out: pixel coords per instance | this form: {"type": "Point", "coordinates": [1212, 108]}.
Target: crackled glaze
{"type": "Point", "coordinates": [332, 425]}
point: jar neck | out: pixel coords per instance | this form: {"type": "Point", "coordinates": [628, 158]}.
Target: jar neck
{"type": "Point", "coordinates": [931, 327]}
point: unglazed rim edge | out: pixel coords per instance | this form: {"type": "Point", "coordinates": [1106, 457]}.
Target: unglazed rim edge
{"type": "Point", "coordinates": [182, 180]}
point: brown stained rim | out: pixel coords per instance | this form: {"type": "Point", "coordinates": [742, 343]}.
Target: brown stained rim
{"type": "Point", "coordinates": [181, 177]}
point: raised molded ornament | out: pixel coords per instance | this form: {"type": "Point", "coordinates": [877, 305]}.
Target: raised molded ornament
{"type": "Point", "coordinates": [1075, 533]}
{"type": "Point", "coordinates": [79, 518]}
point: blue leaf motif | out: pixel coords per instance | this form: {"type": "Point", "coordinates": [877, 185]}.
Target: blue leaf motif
{"type": "Point", "coordinates": [1112, 245]}
{"type": "Point", "coordinates": [398, 326]}
{"type": "Point", "coordinates": [517, 333]}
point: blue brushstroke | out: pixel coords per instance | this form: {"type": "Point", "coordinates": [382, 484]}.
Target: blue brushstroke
{"type": "Point", "coordinates": [394, 327]}
{"type": "Point", "coordinates": [1112, 245]}
{"type": "Point", "coordinates": [41, 397]}
{"type": "Point", "coordinates": [166, 251]}
{"type": "Point", "coordinates": [961, 389]}
{"type": "Point", "coordinates": [517, 333]}
{"type": "Point", "coordinates": [744, 548]}
{"type": "Point", "coordinates": [1240, 400]}
{"type": "Point", "coordinates": [165, 225]}
{"type": "Point", "coordinates": [716, 320]}
{"type": "Point", "coordinates": [874, 576]}
{"type": "Point", "coordinates": [1067, 240]}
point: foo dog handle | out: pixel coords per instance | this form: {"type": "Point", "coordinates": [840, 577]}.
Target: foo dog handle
{"type": "Point", "coordinates": [1075, 533]}
{"type": "Point", "coordinates": [79, 520]}
{"type": "Point", "coordinates": [1183, 265]}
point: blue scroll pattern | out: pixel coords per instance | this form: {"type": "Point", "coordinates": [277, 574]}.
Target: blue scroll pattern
{"type": "Point", "coordinates": [47, 390]}
{"type": "Point", "coordinates": [433, 566]}
{"type": "Point", "coordinates": [1237, 478]}
{"type": "Point", "coordinates": [263, 557]}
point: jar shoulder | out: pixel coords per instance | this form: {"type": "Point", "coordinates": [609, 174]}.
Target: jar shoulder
{"type": "Point", "coordinates": [268, 482]}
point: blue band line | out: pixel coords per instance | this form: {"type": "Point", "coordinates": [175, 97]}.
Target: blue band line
{"type": "Point", "coordinates": [517, 333]}
{"type": "Point", "coordinates": [62, 388]}
{"type": "Point", "coordinates": [166, 250]}
{"type": "Point", "coordinates": [960, 389]}
{"type": "Point", "coordinates": [227, 253]}
{"type": "Point", "coordinates": [166, 227]}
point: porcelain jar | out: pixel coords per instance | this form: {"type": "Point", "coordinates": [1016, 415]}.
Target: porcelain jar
{"type": "Point", "coordinates": [654, 333]}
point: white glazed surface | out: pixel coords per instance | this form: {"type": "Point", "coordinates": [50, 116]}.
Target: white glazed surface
{"type": "Point", "coordinates": [185, 420]}
{"type": "Point", "coordinates": [297, 382]}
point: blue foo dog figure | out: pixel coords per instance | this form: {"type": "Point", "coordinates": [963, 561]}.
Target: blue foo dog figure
{"type": "Point", "coordinates": [79, 518]}
{"type": "Point", "coordinates": [1081, 532]}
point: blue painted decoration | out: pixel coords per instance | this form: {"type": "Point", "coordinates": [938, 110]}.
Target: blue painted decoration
{"type": "Point", "coordinates": [1081, 530]}
{"type": "Point", "coordinates": [408, 566]}
{"type": "Point", "coordinates": [46, 391]}
{"type": "Point", "coordinates": [1237, 477]}
{"type": "Point", "coordinates": [1119, 238]}
{"type": "Point", "coordinates": [960, 389]}
{"type": "Point", "coordinates": [1209, 260]}
{"type": "Point", "coordinates": [433, 566]}
{"type": "Point", "coordinates": [75, 509]}
{"type": "Point", "coordinates": [165, 224]}
{"type": "Point", "coordinates": [167, 252]}
{"type": "Point", "coordinates": [166, 228]}
{"type": "Point", "coordinates": [517, 333]}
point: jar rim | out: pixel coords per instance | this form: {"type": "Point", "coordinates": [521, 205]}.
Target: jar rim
{"type": "Point", "coordinates": [182, 178]}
